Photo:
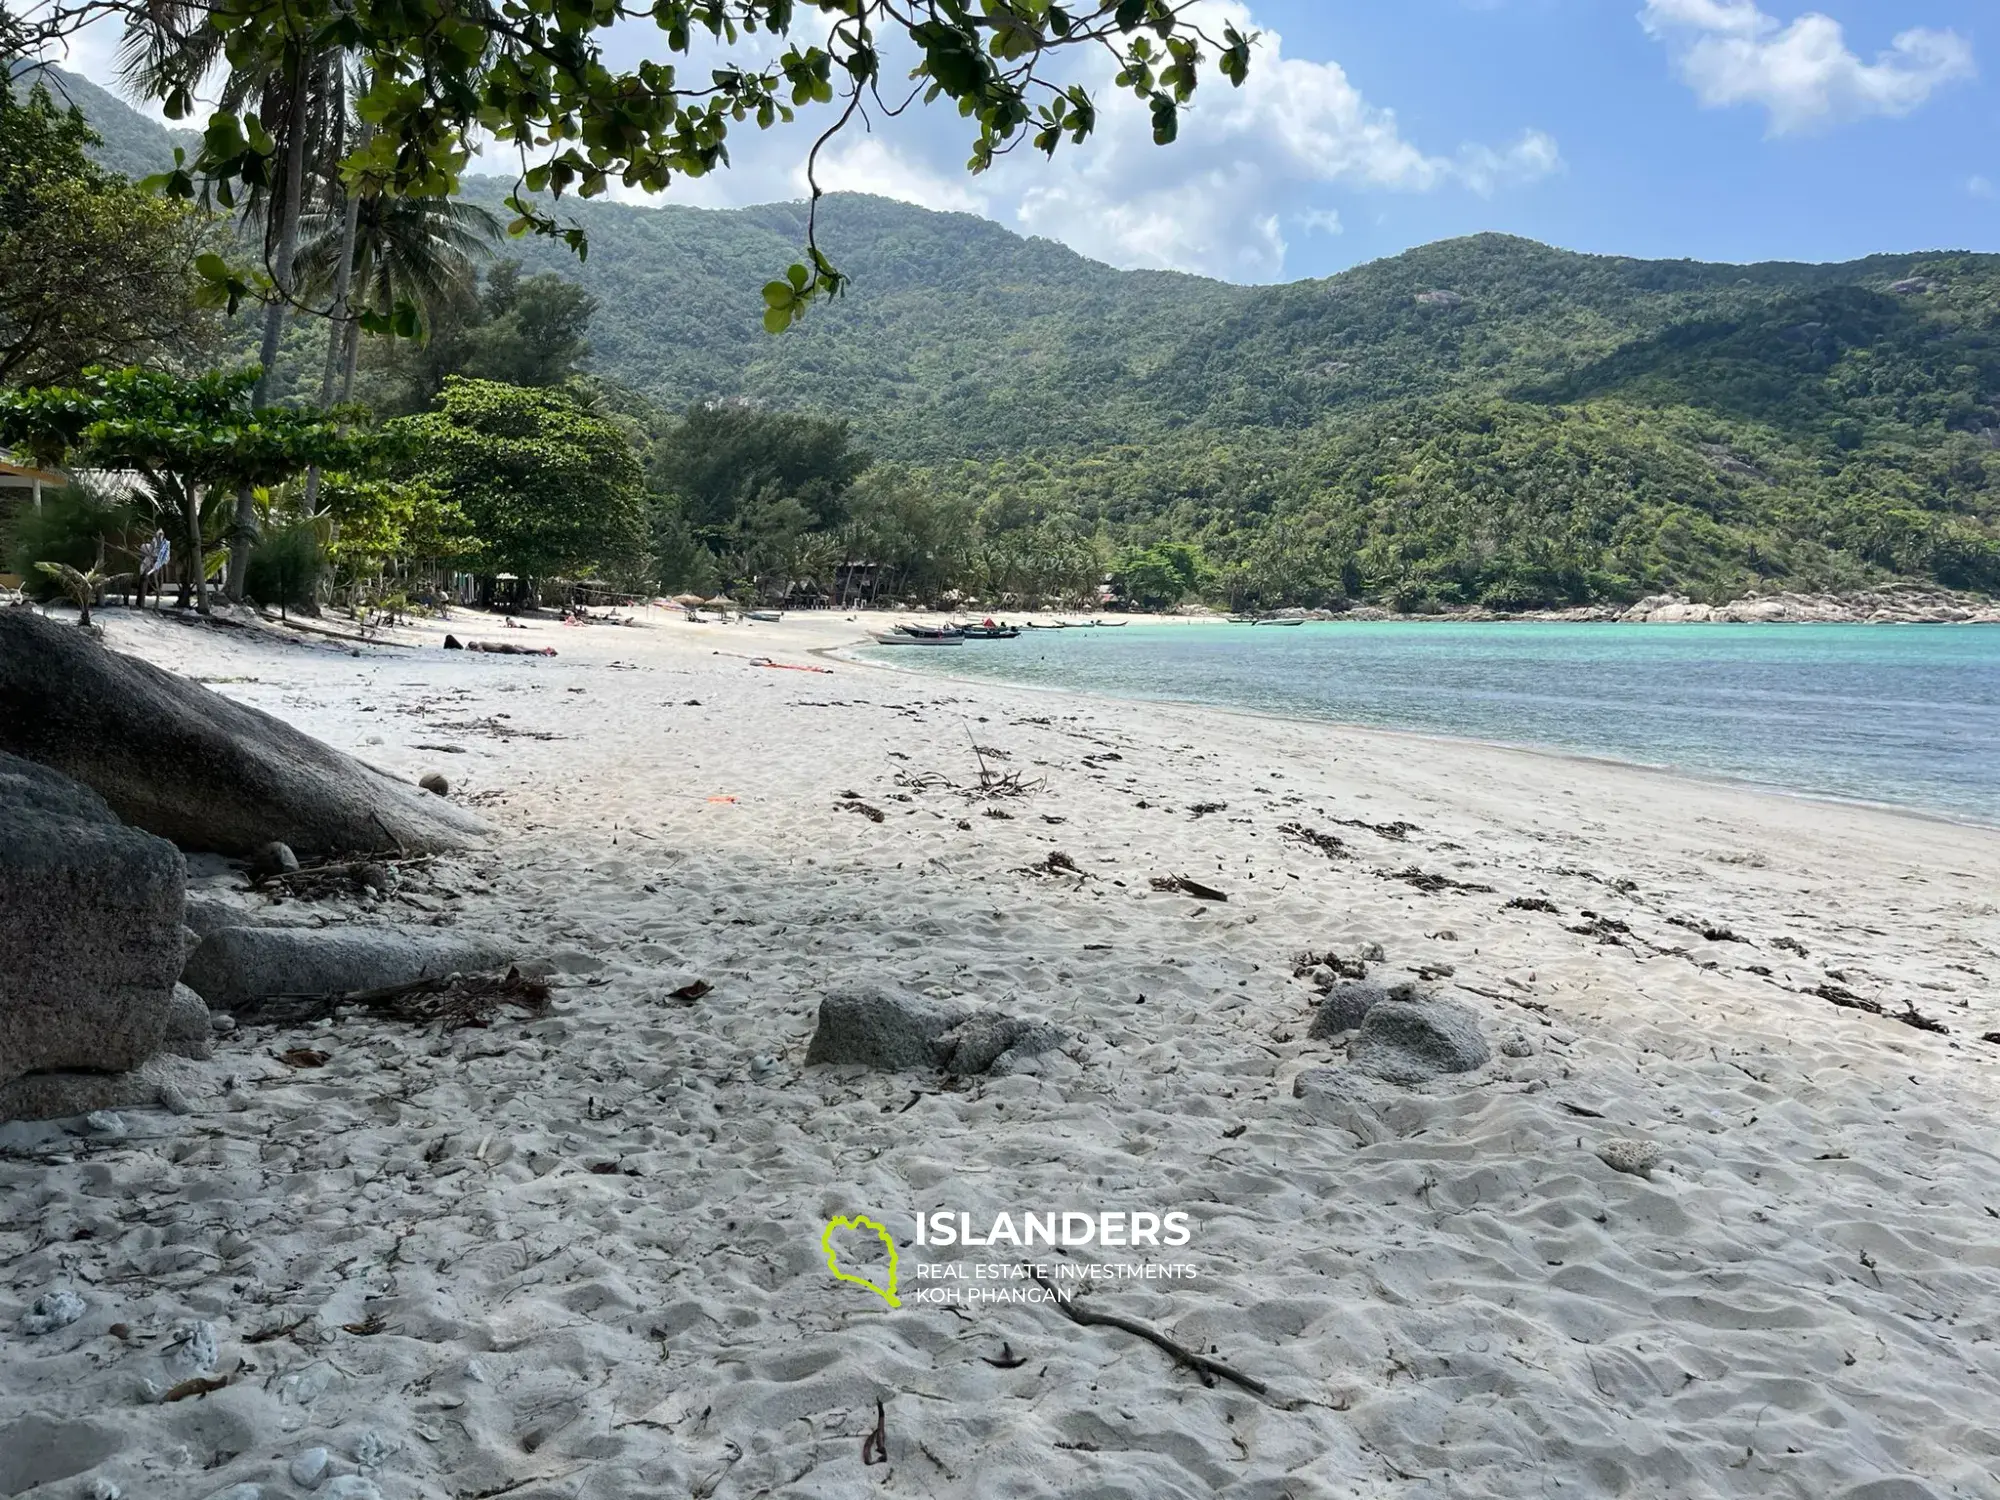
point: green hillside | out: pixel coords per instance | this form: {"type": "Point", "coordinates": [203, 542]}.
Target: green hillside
{"type": "Point", "coordinates": [1483, 419]}
{"type": "Point", "coordinates": [132, 143]}
{"type": "Point", "coordinates": [1486, 419]}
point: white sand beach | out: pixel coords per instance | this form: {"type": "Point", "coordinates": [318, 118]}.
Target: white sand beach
{"type": "Point", "coordinates": [579, 1258]}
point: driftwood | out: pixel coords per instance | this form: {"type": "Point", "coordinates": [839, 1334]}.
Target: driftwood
{"type": "Point", "coordinates": [341, 877]}
{"type": "Point", "coordinates": [453, 1001]}
{"type": "Point", "coordinates": [1208, 1369]}
{"type": "Point", "coordinates": [1187, 887]}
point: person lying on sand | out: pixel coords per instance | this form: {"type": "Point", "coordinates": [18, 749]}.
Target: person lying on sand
{"type": "Point", "coordinates": [497, 648]}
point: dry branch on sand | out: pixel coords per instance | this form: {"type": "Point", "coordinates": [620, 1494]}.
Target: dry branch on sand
{"type": "Point", "coordinates": [453, 1001]}
{"type": "Point", "coordinates": [1208, 1369]}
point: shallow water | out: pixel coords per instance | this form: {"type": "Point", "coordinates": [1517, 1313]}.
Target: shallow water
{"type": "Point", "coordinates": [1901, 714]}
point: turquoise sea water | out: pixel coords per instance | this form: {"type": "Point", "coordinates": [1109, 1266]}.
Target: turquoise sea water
{"type": "Point", "coordinates": [1902, 714]}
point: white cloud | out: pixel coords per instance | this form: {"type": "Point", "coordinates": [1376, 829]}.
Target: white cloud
{"type": "Point", "coordinates": [1321, 221]}
{"type": "Point", "coordinates": [868, 164]}
{"type": "Point", "coordinates": [1730, 52]}
{"type": "Point", "coordinates": [1212, 201]}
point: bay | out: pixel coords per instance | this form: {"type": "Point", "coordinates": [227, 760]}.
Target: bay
{"type": "Point", "coordinates": [1907, 715]}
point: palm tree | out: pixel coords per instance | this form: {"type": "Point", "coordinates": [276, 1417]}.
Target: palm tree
{"type": "Point", "coordinates": [392, 251]}
{"type": "Point", "coordinates": [299, 98]}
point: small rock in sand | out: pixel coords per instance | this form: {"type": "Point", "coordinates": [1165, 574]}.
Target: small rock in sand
{"type": "Point", "coordinates": [1372, 953]}
{"type": "Point", "coordinates": [239, 1492]}
{"type": "Point", "coordinates": [1636, 1157]}
{"type": "Point", "coordinates": [104, 1489]}
{"type": "Point", "coordinates": [906, 1032]}
{"type": "Point", "coordinates": [309, 1468]}
{"type": "Point", "coordinates": [1405, 1042]}
{"type": "Point", "coordinates": [104, 1122]}
{"type": "Point", "coordinates": [435, 784]}
{"type": "Point", "coordinates": [475, 1372]}
{"type": "Point", "coordinates": [189, 1032]}
{"type": "Point", "coordinates": [353, 1487]}
{"type": "Point", "coordinates": [1517, 1046]}
{"type": "Point", "coordinates": [274, 858]}
{"type": "Point", "coordinates": [1345, 1007]}
{"type": "Point", "coordinates": [52, 1310]}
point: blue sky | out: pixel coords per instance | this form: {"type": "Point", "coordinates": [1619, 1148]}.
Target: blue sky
{"type": "Point", "coordinates": [1712, 129]}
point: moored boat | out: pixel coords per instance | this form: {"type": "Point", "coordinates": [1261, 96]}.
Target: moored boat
{"type": "Point", "coordinates": [907, 638]}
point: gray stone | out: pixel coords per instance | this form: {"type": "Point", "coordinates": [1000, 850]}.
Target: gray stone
{"type": "Point", "coordinates": [1517, 1045]}
{"type": "Point", "coordinates": [994, 1045]}
{"type": "Point", "coordinates": [1635, 1157]}
{"type": "Point", "coordinates": [905, 1032]}
{"type": "Point", "coordinates": [190, 765]}
{"type": "Point", "coordinates": [435, 783]}
{"type": "Point", "coordinates": [879, 1030]}
{"type": "Point", "coordinates": [1401, 1042]}
{"type": "Point", "coordinates": [274, 858]}
{"type": "Point", "coordinates": [236, 965]}
{"type": "Point", "coordinates": [189, 1032]}
{"type": "Point", "coordinates": [1344, 1007]}
{"type": "Point", "coordinates": [161, 1082]}
{"type": "Point", "coordinates": [309, 1468]}
{"type": "Point", "coordinates": [92, 939]}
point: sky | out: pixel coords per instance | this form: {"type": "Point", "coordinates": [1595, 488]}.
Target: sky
{"type": "Point", "coordinates": [1731, 130]}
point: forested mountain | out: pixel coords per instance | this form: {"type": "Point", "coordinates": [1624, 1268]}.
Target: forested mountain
{"type": "Point", "coordinates": [131, 143]}
{"type": "Point", "coordinates": [1483, 419]}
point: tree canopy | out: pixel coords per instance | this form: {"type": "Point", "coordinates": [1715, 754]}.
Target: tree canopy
{"type": "Point", "coordinates": [536, 75]}
{"type": "Point", "coordinates": [188, 438]}
{"type": "Point", "coordinates": [92, 270]}
{"type": "Point", "coordinates": [548, 487]}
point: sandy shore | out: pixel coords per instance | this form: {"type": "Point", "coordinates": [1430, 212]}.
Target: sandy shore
{"type": "Point", "coordinates": [580, 1257]}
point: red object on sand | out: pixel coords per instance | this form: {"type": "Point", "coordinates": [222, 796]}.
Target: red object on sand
{"type": "Point", "coordinates": [785, 666]}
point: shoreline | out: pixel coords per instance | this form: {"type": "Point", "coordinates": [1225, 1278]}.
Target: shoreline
{"type": "Point", "coordinates": [1558, 753]}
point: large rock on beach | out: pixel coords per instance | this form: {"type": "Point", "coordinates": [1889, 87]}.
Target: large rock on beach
{"type": "Point", "coordinates": [237, 965]}
{"type": "Point", "coordinates": [91, 942]}
{"type": "Point", "coordinates": [189, 765]}
{"type": "Point", "coordinates": [904, 1033]}
{"type": "Point", "coordinates": [1344, 1007]}
{"type": "Point", "coordinates": [1405, 1041]}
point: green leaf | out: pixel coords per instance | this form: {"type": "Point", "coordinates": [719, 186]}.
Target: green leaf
{"type": "Point", "coordinates": [780, 293]}
{"type": "Point", "coordinates": [777, 319]}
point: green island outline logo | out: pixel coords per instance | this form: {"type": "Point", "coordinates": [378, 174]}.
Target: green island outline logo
{"type": "Point", "coordinates": [858, 1222]}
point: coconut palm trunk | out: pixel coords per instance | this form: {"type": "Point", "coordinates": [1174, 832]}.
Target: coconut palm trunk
{"type": "Point", "coordinates": [243, 534]}
{"type": "Point", "coordinates": [338, 312]}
